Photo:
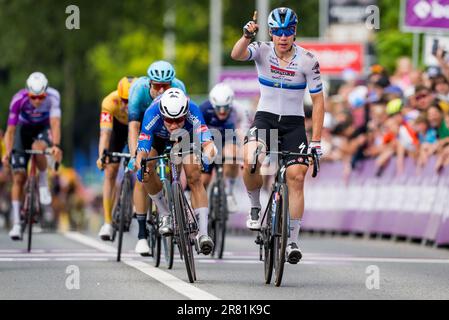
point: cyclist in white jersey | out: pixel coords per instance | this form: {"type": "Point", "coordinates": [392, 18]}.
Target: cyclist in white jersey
{"type": "Point", "coordinates": [285, 70]}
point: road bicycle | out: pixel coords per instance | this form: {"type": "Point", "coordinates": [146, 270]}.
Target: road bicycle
{"type": "Point", "coordinates": [122, 213]}
{"type": "Point", "coordinates": [275, 224]}
{"type": "Point", "coordinates": [185, 224]}
{"type": "Point", "coordinates": [32, 208]}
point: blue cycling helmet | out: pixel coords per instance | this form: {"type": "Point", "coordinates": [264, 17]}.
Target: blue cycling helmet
{"type": "Point", "coordinates": [161, 71]}
{"type": "Point", "coordinates": [282, 18]}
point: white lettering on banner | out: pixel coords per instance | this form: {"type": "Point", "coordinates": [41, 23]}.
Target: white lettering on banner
{"type": "Point", "coordinates": [428, 198]}
{"type": "Point", "coordinates": [441, 198]}
{"type": "Point", "coordinates": [352, 202]}
{"type": "Point", "coordinates": [437, 10]}
{"type": "Point", "coordinates": [370, 197]}
{"type": "Point", "coordinates": [336, 58]}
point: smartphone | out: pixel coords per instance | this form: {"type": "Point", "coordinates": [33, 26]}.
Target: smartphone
{"type": "Point", "coordinates": [435, 46]}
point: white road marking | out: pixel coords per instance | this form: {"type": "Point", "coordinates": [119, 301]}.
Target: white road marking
{"type": "Point", "coordinates": [186, 289]}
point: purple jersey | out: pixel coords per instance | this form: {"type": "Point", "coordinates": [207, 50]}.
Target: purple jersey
{"type": "Point", "coordinates": [22, 112]}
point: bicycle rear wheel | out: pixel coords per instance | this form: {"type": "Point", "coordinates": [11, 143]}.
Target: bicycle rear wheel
{"type": "Point", "coordinates": [281, 233]}
{"type": "Point", "coordinates": [183, 231]}
{"type": "Point", "coordinates": [125, 210]}
{"type": "Point", "coordinates": [156, 237]}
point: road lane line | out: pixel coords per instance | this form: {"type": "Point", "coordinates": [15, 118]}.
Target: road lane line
{"type": "Point", "coordinates": [186, 289]}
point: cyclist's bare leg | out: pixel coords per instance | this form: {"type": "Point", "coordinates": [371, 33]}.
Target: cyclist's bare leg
{"type": "Point", "coordinates": [199, 199]}
{"type": "Point", "coordinates": [295, 183]}
{"type": "Point", "coordinates": [41, 160]}
{"type": "Point", "coordinates": [231, 167]}
{"type": "Point", "coordinates": [206, 179]}
{"type": "Point", "coordinates": [18, 181]}
{"type": "Point", "coordinates": [140, 198]}
{"type": "Point", "coordinates": [253, 182]}
{"type": "Point", "coordinates": [109, 187]}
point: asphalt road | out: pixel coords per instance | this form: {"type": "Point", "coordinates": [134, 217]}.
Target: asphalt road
{"type": "Point", "coordinates": [332, 268]}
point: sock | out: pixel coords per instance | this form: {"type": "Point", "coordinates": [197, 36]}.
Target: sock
{"type": "Point", "coordinates": [43, 178]}
{"type": "Point", "coordinates": [15, 212]}
{"type": "Point", "coordinates": [161, 205]}
{"type": "Point", "coordinates": [230, 182]}
{"type": "Point", "coordinates": [254, 197]}
{"type": "Point", "coordinates": [107, 207]}
{"type": "Point", "coordinates": [295, 225]}
{"type": "Point", "coordinates": [142, 220]}
{"type": "Point", "coordinates": [203, 214]}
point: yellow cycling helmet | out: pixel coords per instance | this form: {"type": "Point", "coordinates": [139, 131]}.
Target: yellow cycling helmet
{"type": "Point", "coordinates": [123, 87]}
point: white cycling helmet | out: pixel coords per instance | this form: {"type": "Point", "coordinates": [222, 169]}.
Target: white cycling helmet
{"type": "Point", "coordinates": [174, 104]}
{"type": "Point", "coordinates": [37, 83]}
{"type": "Point", "coordinates": [221, 96]}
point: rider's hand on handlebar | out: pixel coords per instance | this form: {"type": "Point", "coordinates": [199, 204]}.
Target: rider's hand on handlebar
{"type": "Point", "coordinates": [317, 146]}
{"type": "Point", "coordinates": [132, 165]}
{"type": "Point", "coordinates": [100, 164]}
{"type": "Point", "coordinates": [56, 153]}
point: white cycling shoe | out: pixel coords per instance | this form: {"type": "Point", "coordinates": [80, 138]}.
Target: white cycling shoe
{"type": "Point", "coordinates": [253, 222]}
{"type": "Point", "coordinates": [106, 232]}
{"type": "Point", "coordinates": [293, 253]}
{"type": "Point", "coordinates": [16, 233]}
{"type": "Point", "coordinates": [44, 196]}
{"type": "Point", "coordinates": [142, 247]}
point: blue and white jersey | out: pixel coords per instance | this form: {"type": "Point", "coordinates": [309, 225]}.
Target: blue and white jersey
{"type": "Point", "coordinates": [212, 120]}
{"type": "Point", "coordinates": [153, 126]}
{"type": "Point", "coordinates": [140, 98]}
{"type": "Point", "coordinates": [282, 88]}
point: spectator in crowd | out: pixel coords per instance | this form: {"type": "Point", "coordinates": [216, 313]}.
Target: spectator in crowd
{"type": "Point", "coordinates": [435, 116]}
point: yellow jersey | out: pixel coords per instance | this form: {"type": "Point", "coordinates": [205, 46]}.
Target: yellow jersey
{"type": "Point", "coordinates": [113, 107]}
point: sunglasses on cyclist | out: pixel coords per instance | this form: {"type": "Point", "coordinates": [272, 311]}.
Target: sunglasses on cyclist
{"type": "Point", "coordinates": [37, 97]}
{"type": "Point", "coordinates": [159, 85]}
{"type": "Point", "coordinates": [279, 32]}
{"type": "Point", "coordinates": [125, 101]}
{"type": "Point", "coordinates": [177, 121]}
{"type": "Point", "coordinates": [223, 109]}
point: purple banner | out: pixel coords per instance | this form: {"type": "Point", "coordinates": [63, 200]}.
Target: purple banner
{"type": "Point", "coordinates": [244, 82]}
{"type": "Point", "coordinates": [426, 15]}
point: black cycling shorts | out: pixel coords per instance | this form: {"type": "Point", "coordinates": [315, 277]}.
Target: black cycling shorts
{"type": "Point", "coordinates": [23, 140]}
{"type": "Point", "coordinates": [291, 133]}
{"type": "Point", "coordinates": [119, 139]}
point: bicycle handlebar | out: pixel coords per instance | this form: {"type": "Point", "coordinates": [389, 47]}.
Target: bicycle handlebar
{"type": "Point", "coordinates": [313, 155]}
{"type": "Point", "coordinates": [46, 152]}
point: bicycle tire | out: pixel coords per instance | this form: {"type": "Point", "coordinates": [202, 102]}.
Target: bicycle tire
{"type": "Point", "coordinates": [213, 208]}
{"type": "Point", "coordinates": [281, 230]}
{"type": "Point", "coordinates": [183, 231]}
{"type": "Point", "coordinates": [125, 207]}
{"type": "Point", "coordinates": [268, 243]}
{"type": "Point", "coordinates": [169, 251]}
{"type": "Point", "coordinates": [30, 213]}
{"type": "Point", "coordinates": [157, 243]}
{"type": "Point", "coordinates": [222, 218]}
{"type": "Point", "coordinates": [168, 242]}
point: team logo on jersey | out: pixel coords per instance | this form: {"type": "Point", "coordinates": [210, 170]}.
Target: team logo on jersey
{"type": "Point", "coordinates": [316, 68]}
{"type": "Point", "coordinates": [282, 72]}
{"type": "Point", "coordinates": [106, 117]}
{"type": "Point", "coordinates": [144, 137]}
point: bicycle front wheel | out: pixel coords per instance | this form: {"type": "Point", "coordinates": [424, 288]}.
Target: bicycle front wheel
{"type": "Point", "coordinates": [183, 231]}
{"type": "Point", "coordinates": [125, 208]}
{"type": "Point", "coordinates": [31, 210]}
{"type": "Point", "coordinates": [221, 221]}
{"type": "Point", "coordinates": [169, 251]}
{"type": "Point", "coordinates": [281, 233]}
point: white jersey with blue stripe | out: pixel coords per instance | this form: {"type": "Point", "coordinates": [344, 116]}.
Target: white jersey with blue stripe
{"type": "Point", "coordinates": [282, 88]}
